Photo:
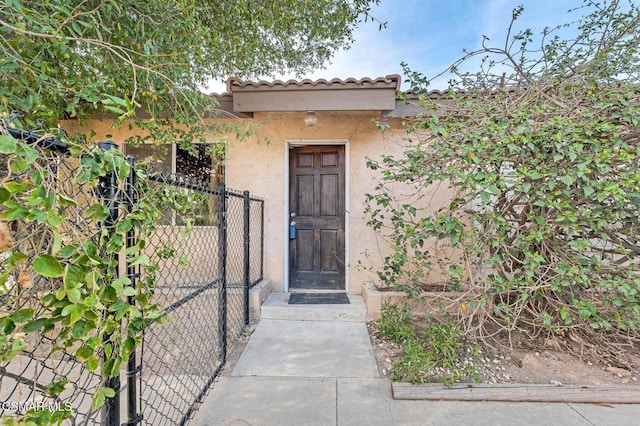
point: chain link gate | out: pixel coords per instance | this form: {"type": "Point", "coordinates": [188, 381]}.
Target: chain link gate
{"type": "Point", "coordinates": [204, 270]}
{"type": "Point", "coordinates": [207, 302]}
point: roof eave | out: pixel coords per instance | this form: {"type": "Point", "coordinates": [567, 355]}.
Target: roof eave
{"type": "Point", "coordinates": [320, 95]}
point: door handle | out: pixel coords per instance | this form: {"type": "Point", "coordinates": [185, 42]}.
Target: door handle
{"type": "Point", "coordinates": [292, 230]}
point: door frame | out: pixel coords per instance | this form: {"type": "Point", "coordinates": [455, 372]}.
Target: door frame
{"type": "Point", "coordinates": [293, 143]}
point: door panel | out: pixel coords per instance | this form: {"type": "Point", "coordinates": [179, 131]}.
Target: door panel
{"type": "Point", "coordinates": [328, 250]}
{"type": "Point", "coordinates": [328, 195]}
{"type": "Point", "coordinates": [305, 195]}
{"type": "Point", "coordinates": [304, 250]}
{"type": "Point", "coordinates": [316, 254]}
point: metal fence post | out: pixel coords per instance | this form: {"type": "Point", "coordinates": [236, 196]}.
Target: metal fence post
{"type": "Point", "coordinates": [247, 264]}
{"type": "Point", "coordinates": [108, 192]}
{"type": "Point", "coordinates": [222, 255]}
{"type": "Point", "coordinates": [261, 239]}
{"type": "Point", "coordinates": [133, 370]}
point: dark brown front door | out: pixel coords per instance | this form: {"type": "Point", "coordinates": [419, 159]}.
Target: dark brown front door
{"type": "Point", "coordinates": [316, 205]}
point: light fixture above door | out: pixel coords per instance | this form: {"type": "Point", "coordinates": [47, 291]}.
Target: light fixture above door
{"type": "Point", "coordinates": [311, 119]}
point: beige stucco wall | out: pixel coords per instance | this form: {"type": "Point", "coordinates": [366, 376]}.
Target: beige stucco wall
{"type": "Point", "coordinates": [260, 167]}
{"type": "Point", "coordinates": [259, 164]}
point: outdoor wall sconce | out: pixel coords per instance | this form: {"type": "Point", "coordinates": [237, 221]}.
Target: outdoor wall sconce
{"type": "Point", "coordinates": [311, 119]}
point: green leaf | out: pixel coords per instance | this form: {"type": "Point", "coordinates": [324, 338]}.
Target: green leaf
{"type": "Point", "coordinates": [8, 144]}
{"type": "Point", "coordinates": [493, 189]}
{"type": "Point", "coordinates": [113, 109]}
{"type": "Point", "coordinates": [100, 397]}
{"type": "Point", "coordinates": [18, 165]}
{"type": "Point", "coordinates": [4, 195]}
{"type": "Point", "coordinates": [60, 294]}
{"type": "Point", "coordinates": [111, 367]}
{"type": "Point", "coordinates": [73, 276]}
{"type": "Point", "coordinates": [14, 213]}
{"type": "Point", "coordinates": [16, 4]}
{"type": "Point", "coordinates": [47, 266]}
{"type": "Point", "coordinates": [74, 295]}
{"type": "Point", "coordinates": [15, 187]}
{"type": "Point", "coordinates": [97, 212]}
{"type": "Point", "coordinates": [142, 259]}
{"type": "Point", "coordinates": [568, 180]}
{"type": "Point", "coordinates": [129, 346]}
{"type": "Point", "coordinates": [485, 197]}
{"type": "Point", "coordinates": [140, 244]}
{"type": "Point", "coordinates": [119, 306]}
{"type": "Point", "coordinates": [79, 329]}
{"type": "Point", "coordinates": [68, 309]}
{"type": "Point", "coordinates": [68, 251]}
{"type": "Point", "coordinates": [74, 312]}
{"type": "Point", "coordinates": [7, 325]}
{"type": "Point", "coordinates": [29, 153]}
{"type": "Point", "coordinates": [23, 315]}
{"type": "Point", "coordinates": [55, 388]}
{"type": "Point", "coordinates": [15, 258]}
{"type": "Point", "coordinates": [588, 191]}
{"type": "Point", "coordinates": [92, 363]}
{"type": "Point", "coordinates": [66, 201]}
{"type": "Point", "coordinates": [57, 242]}
{"type": "Point", "coordinates": [92, 278]}
{"type": "Point", "coordinates": [84, 353]}
{"type": "Point", "coordinates": [113, 100]}
{"type": "Point", "coordinates": [129, 291]}
{"type": "Point", "coordinates": [35, 325]}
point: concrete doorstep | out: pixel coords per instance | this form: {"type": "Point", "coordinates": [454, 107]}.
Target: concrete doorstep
{"type": "Point", "coordinates": [276, 307]}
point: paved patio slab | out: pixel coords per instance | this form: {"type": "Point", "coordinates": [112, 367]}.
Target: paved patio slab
{"type": "Point", "coordinates": [279, 401]}
{"type": "Point", "coordinates": [308, 349]}
{"type": "Point", "coordinates": [369, 402]}
{"type": "Point", "coordinates": [296, 401]}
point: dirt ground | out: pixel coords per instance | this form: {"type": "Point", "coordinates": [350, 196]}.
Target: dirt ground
{"type": "Point", "coordinates": [544, 366]}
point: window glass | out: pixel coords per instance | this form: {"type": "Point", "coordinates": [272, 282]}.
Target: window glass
{"type": "Point", "coordinates": [204, 163]}
{"type": "Point", "coordinates": [159, 157]}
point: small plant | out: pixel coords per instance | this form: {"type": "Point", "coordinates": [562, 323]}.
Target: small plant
{"type": "Point", "coordinates": [415, 365]}
{"type": "Point", "coordinates": [447, 345]}
{"type": "Point", "coordinates": [445, 342]}
{"type": "Point", "coordinates": [433, 355]}
{"type": "Point", "coordinates": [395, 323]}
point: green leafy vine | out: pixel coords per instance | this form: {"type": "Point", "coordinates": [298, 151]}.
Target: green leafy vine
{"type": "Point", "coordinates": [60, 248]}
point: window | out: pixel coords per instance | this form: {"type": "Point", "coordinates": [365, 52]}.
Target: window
{"type": "Point", "coordinates": [205, 164]}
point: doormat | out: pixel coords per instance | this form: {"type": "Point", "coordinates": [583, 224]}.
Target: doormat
{"type": "Point", "coordinates": [318, 299]}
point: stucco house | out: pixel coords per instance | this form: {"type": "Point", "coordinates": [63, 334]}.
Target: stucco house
{"type": "Point", "coordinates": [311, 173]}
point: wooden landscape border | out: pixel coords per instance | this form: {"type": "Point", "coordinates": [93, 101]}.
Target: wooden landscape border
{"type": "Point", "coordinates": [629, 394]}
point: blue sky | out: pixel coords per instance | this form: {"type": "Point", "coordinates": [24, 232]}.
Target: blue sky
{"type": "Point", "coordinates": [431, 34]}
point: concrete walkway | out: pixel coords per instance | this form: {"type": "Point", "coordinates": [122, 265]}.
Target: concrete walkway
{"type": "Point", "coordinates": [313, 365]}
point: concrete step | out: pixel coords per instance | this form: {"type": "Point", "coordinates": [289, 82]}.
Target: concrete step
{"type": "Point", "coordinates": [276, 306]}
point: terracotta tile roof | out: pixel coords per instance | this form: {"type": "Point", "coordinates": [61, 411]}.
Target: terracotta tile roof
{"type": "Point", "coordinates": [431, 94]}
{"type": "Point", "coordinates": [393, 80]}
{"type": "Point", "coordinates": [450, 93]}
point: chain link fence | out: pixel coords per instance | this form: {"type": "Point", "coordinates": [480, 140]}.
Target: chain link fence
{"type": "Point", "coordinates": [204, 265]}
{"type": "Point", "coordinates": [203, 284]}
{"type": "Point", "coordinates": [29, 380]}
